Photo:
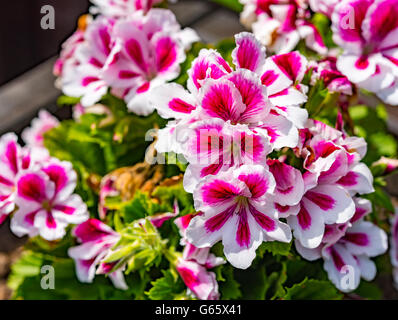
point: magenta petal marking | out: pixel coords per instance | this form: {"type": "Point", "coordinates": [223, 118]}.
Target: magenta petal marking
{"type": "Point", "coordinates": [106, 40]}
{"type": "Point", "coordinates": [32, 187]}
{"type": "Point", "coordinates": [252, 96]}
{"type": "Point", "coordinates": [26, 159]}
{"type": "Point", "coordinates": [179, 105]}
{"type": "Point", "coordinates": [349, 180]}
{"type": "Point", "coordinates": [304, 218]}
{"type": "Point", "coordinates": [258, 186]}
{"type": "Point", "coordinates": [243, 232]}
{"type": "Point", "coordinates": [359, 213]}
{"type": "Point", "coordinates": [133, 48]}
{"type": "Point", "coordinates": [50, 221]}
{"type": "Point", "coordinates": [324, 149]}
{"type": "Point", "coordinates": [264, 221]}
{"type": "Point", "coordinates": [219, 102]}
{"type": "Point", "coordinates": [11, 156]}
{"type": "Point", "coordinates": [360, 239]}
{"type": "Point", "coordinates": [362, 63]}
{"type": "Point", "coordinates": [93, 61]}
{"type": "Point", "coordinates": [337, 259]}
{"type": "Point", "coordinates": [6, 182]}
{"type": "Point", "coordinates": [88, 80]}
{"type": "Point", "coordinates": [217, 222]}
{"type": "Point", "coordinates": [185, 220]}
{"type": "Point", "coordinates": [127, 74]}
{"type": "Point", "coordinates": [144, 88]}
{"type": "Point", "coordinates": [290, 64]}
{"type": "Point", "coordinates": [30, 217]}
{"type": "Point", "coordinates": [359, 8]}
{"type": "Point", "coordinates": [57, 175]}
{"type": "Point", "coordinates": [91, 230]}
{"type": "Point", "coordinates": [200, 71]}
{"type": "Point", "coordinates": [283, 175]}
{"type": "Point", "coordinates": [248, 55]}
{"type": "Point", "coordinates": [189, 277]}
{"type": "Point", "coordinates": [65, 209]}
{"type": "Point", "coordinates": [383, 20]}
{"type": "Point", "coordinates": [323, 201]}
{"type": "Point", "coordinates": [211, 169]}
{"type": "Point", "coordinates": [269, 77]}
{"type": "Point", "coordinates": [166, 54]}
{"type": "Point", "coordinates": [282, 209]}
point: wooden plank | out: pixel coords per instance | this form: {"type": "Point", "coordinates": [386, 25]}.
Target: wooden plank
{"type": "Point", "coordinates": [21, 98]}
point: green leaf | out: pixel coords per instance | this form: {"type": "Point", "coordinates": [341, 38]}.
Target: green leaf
{"type": "Point", "coordinates": [166, 287]}
{"type": "Point", "coordinates": [228, 286]}
{"type": "Point", "coordinates": [168, 194]}
{"type": "Point", "coordinates": [234, 5]}
{"type": "Point", "coordinates": [276, 281]}
{"type": "Point", "coordinates": [67, 101]}
{"type": "Point", "coordinates": [371, 125]}
{"type": "Point", "coordinates": [28, 265]}
{"type": "Point", "coordinates": [322, 24]}
{"type": "Point", "coordinates": [253, 283]}
{"type": "Point", "coordinates": [369, 291]}
{"type": "Point", "coordinates": [297, 270]}
{"type": "Point", "coordinates": [380, 198]}
{"type": "Point", "coordinates": [26, 279]}
{"type": "Point", "coordinates": [311, 289]}
{"type": "Point", "coordinates": [275, 247]}
{"type": "Point", "coordinates": [139, 207]}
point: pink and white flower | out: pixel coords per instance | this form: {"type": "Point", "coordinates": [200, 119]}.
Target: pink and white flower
{"type": "Point", "coordinates": [390, 165]}
{"type": "Point", "coordinates": [201, 282]}
{"type": "Point", "coordinates": [261, 95]}
{"type": "Point", "coordinates": [122, 8]}
{"type": "Point", "coordinates": [335, 174]}
{"type": "Point", "coordinates": [367, 32]}
{"type": "Point", "coordinates": [290, 186]}
{"type": "Point", "coordinates": [322, 204]}
{"type": "Point", "coordinates": [148, 52]}
{"type": "Point", "coordinates": [280, 24]}
{"type": "Point", "coordinates": [333, 79]}
{"type": "Point", "coordinates": [83, 79]}
{"type": "Point", "coordinates": [200, 255]}
{"type": "Point", "coordinates": [347, 248]}
{"type": "Point", "coordinates": [96, 239]}
{"type": "Point", "coordinates": [34, 135]}
{"type": "Point", "coordinates": [68, 51]}
{"type": "Point", "coordinates": [215, 146]}
{"type": "Point", "coordinates": [46, 203]}
{"type": "Point", "coordinates": [194, 264]}
{"type": "Point", "coordinates": [14, 160]}
{"type": "Point", "coordinates": [238, 209]}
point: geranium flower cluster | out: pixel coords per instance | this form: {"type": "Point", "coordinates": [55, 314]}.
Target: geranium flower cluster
{"type": "Point", "coordinates": [228, 124]}
{"type": "Point", "coordinates": [365, 31]}
{"type": "Point", "coordinates": [128, 55]}
{"type": "Point", "coordinates": [35, 189]}
{"type": "Point", "coordinates": [121, 8]}
{"type": "Point", "coordinates": [281, 24]}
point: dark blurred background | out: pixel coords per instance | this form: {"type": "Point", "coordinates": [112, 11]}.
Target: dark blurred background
{"type": "Point", "coordinates": [23, 44]}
